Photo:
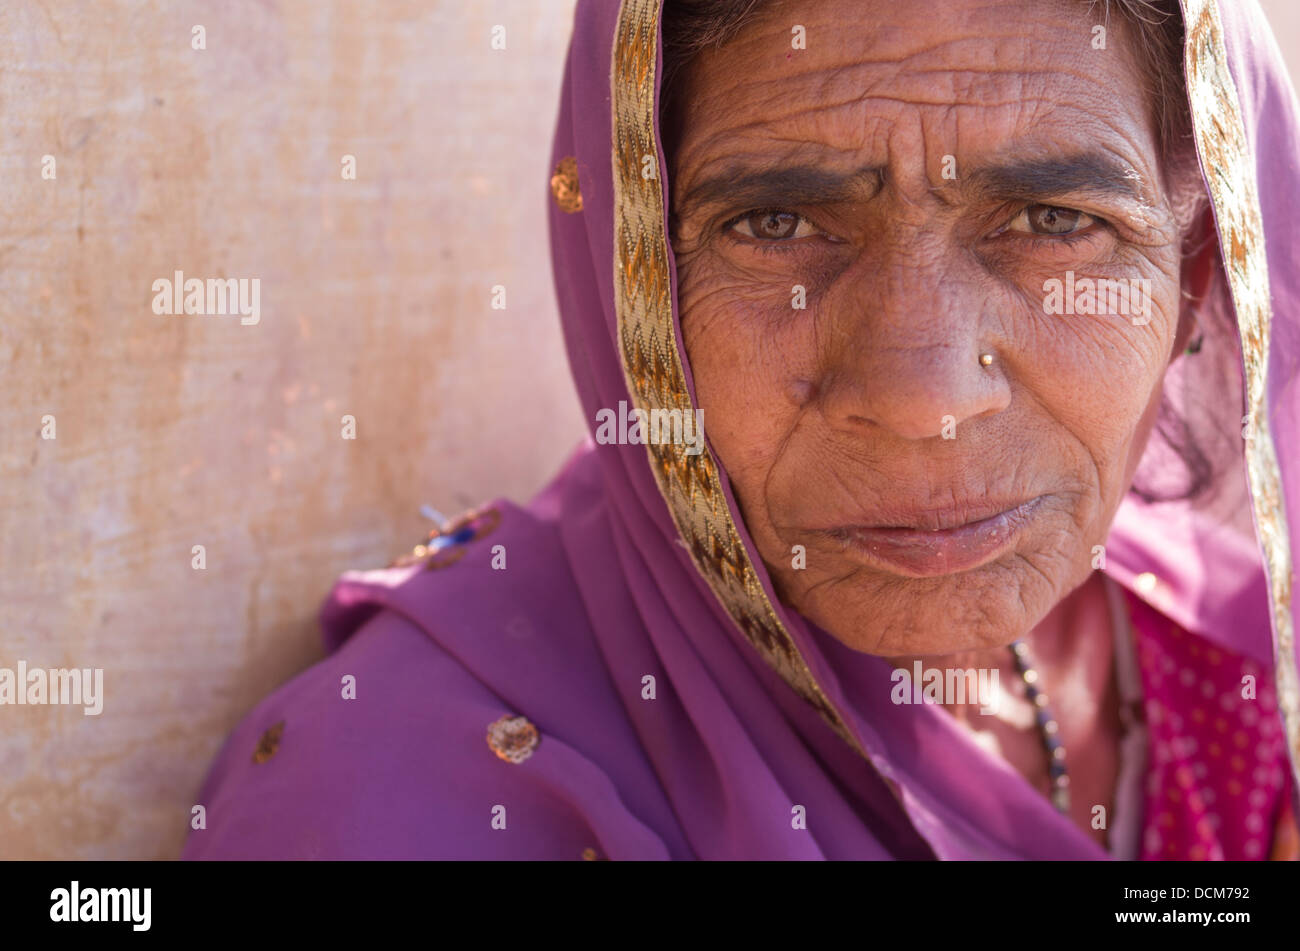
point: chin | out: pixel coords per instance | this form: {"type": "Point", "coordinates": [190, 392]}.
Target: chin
{"type": "Point", "coordinates": [987, 607]}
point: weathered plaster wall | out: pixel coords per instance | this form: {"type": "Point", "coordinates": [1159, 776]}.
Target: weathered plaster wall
{"type": "Point", "coordinates": [178, 431]}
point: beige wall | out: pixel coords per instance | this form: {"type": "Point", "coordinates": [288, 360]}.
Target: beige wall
{"type": "Point", "coordinates": [179, 431]}
{"type": "Point", "coordinates": [1284, 16]}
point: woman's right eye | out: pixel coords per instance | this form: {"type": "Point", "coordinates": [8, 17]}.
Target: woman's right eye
{"type": "Point", "coordinates": [772, 225]}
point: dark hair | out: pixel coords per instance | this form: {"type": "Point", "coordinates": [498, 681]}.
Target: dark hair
{"type": "Point", "coordinates": [691, 27]}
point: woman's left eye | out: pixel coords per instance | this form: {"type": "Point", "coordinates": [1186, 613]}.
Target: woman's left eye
{"type": "Point", "coordinates": [772, 225]}
{"type": "Point", "coordinates": [1047, 220]}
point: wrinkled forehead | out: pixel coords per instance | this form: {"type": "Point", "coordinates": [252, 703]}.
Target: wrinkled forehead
{"type": "Point", "coordinates": [896, 86]}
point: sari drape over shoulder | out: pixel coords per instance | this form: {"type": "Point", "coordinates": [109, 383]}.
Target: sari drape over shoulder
{"type": "Point", "coordinates": [608, 672]}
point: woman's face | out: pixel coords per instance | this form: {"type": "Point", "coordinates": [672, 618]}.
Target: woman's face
{"type": "Point", "coordinates": [921, 178]}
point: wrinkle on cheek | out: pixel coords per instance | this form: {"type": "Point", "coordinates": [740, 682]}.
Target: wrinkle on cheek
{"type": "Point", "coordinates": [715, 316]}
{"type": "Point", "coordinates": [724, 302]}
{"type": "Point", "coordinates": [1112, 356]}
{"type": "Point", "coordinates": [770, 464]}
{"type": "Point", "coordinates": [741, 374]}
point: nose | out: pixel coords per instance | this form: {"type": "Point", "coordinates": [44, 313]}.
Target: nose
{"type": "Point", "coordinates": [904, 351]}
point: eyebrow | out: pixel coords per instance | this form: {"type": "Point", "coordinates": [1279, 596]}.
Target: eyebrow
{"type": "Point", "coordinates": [1087, 173]}
{"type": "Point", "coordinates": [795, 185]}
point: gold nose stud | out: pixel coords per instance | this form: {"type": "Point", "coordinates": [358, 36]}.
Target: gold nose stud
{"type": "Point", "coordinates": [986, 359]}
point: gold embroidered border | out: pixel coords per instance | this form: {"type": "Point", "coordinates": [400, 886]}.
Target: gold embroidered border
{"type": "Point", "coordinates": [1230, 169]}
{"type": "Point", "coordinates": [652, 363]}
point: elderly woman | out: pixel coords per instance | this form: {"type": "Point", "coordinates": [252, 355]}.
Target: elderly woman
{"type": "Point", "coordinates": [991, 321]}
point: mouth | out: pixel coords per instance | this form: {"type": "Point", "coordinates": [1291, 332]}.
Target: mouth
{"type": "Point", "coordinates": [934, 543]}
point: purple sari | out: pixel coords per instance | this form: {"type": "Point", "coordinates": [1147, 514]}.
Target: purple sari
{"type": "Point", "coordinates": [608, 672]}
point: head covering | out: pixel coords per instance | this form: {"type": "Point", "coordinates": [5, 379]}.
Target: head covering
{"type": "Point", "coordinates": [609, 673]}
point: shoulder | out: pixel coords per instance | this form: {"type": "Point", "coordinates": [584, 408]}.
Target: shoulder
{"type": "Point", "coordinates": [381, 751]}
{"type": "Point", "coordinates": [434, 731]}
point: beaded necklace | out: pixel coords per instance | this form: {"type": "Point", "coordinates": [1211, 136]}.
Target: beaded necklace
{"type": "Point", "coordinates": [1048, 727]}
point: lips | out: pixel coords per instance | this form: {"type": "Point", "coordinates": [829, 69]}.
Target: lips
{"type": "Point", "coordinates": [931, 543]}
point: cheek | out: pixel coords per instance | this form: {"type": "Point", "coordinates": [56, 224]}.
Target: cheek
{"type": "Point", "coordinates": [1139, 439]}
{"type": "Point", "coordinates": [750, 368]}
{"type": "Point", "coordinates": [1099, 378]}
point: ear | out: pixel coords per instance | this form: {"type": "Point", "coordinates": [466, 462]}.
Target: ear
{"type": "Point", "coordinates": [1199, 273]}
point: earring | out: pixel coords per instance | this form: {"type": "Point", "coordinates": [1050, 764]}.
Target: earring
{"type": "Point", "coordinates": [986, 359]}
